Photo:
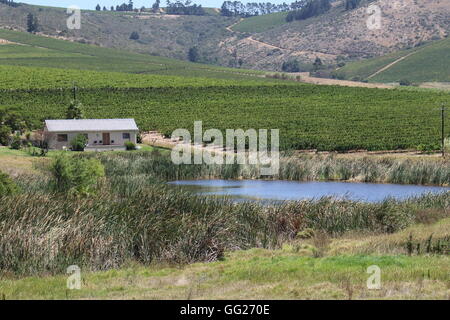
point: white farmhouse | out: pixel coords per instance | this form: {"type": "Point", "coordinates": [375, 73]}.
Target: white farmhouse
{"type": "Point", "coordinates": [101, 134]}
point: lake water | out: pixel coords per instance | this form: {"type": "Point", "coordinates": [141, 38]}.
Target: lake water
{"type": "Point", "coordinates": [294, 190]}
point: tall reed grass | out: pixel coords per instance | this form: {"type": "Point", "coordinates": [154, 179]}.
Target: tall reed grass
{"type": "Point", "coordinates": [135, 216]}
{"type": "Point", "coordinates": [299, 168]}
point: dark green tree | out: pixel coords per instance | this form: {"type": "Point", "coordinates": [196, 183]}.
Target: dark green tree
{"type": "Point", "coordinates": [193, 54]}
{"type": "Point", "coordinates": [134, 35]}
{"type": "Point", "coordinates": [98, 8]}
{"type": "Point", "coordinates": [291, 66]}
{"type": "Point", "coordinates": [155, 6]}
{"type": "Point", "coordinates": [32, 23]}
{"type": "Point", "coordinates": [317, 63]}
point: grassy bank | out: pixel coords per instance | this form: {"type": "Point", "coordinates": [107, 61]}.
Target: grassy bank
{"type": "Point", "coordinates": [285, 273]}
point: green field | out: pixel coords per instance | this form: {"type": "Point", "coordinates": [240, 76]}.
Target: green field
{"type": "Point", "coordinates": [427, 63]}
{"type": "Point", "coordinates": [261, 23]}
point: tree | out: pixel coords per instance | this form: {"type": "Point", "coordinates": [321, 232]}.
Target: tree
{"type": "Point", "coordinates": [291, 66]}
{"type": "Point", "coordinates": [98, 8]}
{"type": "Point", "coordinates": [134, 35]}
{"type": "Point", "coordinates": [74, 111]}
{"type": "Point", "coordinates": [5, 134]}
{"type": "Point", "coordinates": [104, 8]}
{"type": "Point", "coordinates": [155, 6]}
{"type": "Point", "coordinates": [16, 143]}
{"type": "Point", "coordinates": [32, 23]}
{"type": "Point", "coordinates": [7, 186]}
{"type": "Point", "coordinates": [193, 54]}
{"type": "Point", "coordinates": [311, 9]}
{"type": "Point", "coordinates": [317, 63]}
{"type": "Point", "coordinates": [112, 8]}
{"type": "Point", "coordinates": [76, 175]}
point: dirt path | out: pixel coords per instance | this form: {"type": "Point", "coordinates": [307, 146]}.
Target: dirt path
{"type": "Point", "coordinates": [301, 52]}
{"type": "Point", "coordinates": [392, 64]}
{"type": "Point", "coordinates": [305, 77]}
{"type": "Point", "coordinates": [231, 26]}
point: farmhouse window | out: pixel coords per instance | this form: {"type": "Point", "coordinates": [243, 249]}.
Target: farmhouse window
{"type": "Point", "coordinates": [126, 135]}
{"type": "Point", "coordinates": [62, 138]}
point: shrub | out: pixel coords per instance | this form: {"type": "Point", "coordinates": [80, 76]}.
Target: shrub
{"type": "Point", "coordinates": [405, 82]}
{"type": "Point", "coordinates": [7, 186]}
{"type": "Point", "coordinates": [5, 133]}
{"type": "Point", "coordinates": [79, 143]}
{"type": "Point", "coordinates": [291, 66]}
{"type": "Point", "coordinates": [134, 36]}
{"type": "Point", "coordinates": [76, 175]}
{"type": "Point", "coordinates": [130, 146]}
{"type": "Point", "coordinates": [16, 143]}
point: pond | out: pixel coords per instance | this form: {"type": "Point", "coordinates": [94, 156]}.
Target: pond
{"type": "Point", "coordinates": [267, 190]}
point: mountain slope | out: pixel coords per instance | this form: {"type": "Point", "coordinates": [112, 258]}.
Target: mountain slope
{"type": "Point", "coordinates": [344, 34]}
{"type": "Point", "coordinates": [24, 49]}
{"type": "Point", "coordinates": [263, 42]}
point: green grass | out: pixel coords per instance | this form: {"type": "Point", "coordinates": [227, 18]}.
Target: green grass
{"type": "Point", "coordinates": [261, 23]}
{"type": "Point", "coordinates": [252, 274]}
{"type": "Point", "coordinates": [429, 63]}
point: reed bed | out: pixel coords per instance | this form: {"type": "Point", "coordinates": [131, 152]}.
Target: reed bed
{"type": "Point", "coordinates": [135, 216]}
{"type": "Point", "coordinates": [299, 168]}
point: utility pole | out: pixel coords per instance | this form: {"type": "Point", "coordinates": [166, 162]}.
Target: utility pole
{"type": "Point", "coordinates": [443, 130]}
{"type": "Point", "coordinates": [74, 92]}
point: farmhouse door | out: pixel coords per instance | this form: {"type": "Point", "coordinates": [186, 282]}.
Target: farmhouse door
{"type": "Point", "coordinates": [106, 138]}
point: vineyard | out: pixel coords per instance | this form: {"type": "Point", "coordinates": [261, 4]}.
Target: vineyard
{"type": "Point", "coordinates": [308, 116]}
{"type": "Point", "coordinates": [17, 77]}
{"type": "Point", "coordinates": [37, 51]}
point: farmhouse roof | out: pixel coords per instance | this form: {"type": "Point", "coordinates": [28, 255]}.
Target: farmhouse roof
{"type": "Point", "coordinates": [77, 125]}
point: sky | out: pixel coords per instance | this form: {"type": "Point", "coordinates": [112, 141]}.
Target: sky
{"type": "Point", "coordinates": [90, 4]}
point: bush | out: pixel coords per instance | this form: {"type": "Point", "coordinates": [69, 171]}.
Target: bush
{"type": "Point", "coordinates": [76, 175]}
{"type": "Point", "coordinates": [5, 133]}
{"type": "Point", "coordinates": [7, 186]}
{"type": "Point", "coordinates": [130, 146]}
{"type": "Point", "coordinates": [79, 143]}
{"type": "Point", "coordinates": [16, 143]}
{"type": "Point", "coordinates": [291, 66]}
{"type": "Point", "coordinates": [405, 82]}
{"type": "Point", "coordinates": [134, 36]}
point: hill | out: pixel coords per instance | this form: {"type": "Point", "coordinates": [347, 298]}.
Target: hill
{"type": "Point", "coordinates": [342, 34]}
{"type": "Point", "coordinates": [429, 62]}
{"type": "Point", "coordinates": [24, 49]}
{"type": "Point", "coordinates": [262, 42]}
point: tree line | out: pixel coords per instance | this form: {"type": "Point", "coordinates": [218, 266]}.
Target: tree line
{"type": "Point", "coordinates": [10, 3]}
{"type": "Point", "coordinates": [178, 7]}
{"type": "Point", "coordinates": [184, 8]}
{"type": "Point", "coordinates": [310, 9]}
{"type": "Point", "coordinates": [237, 8]}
